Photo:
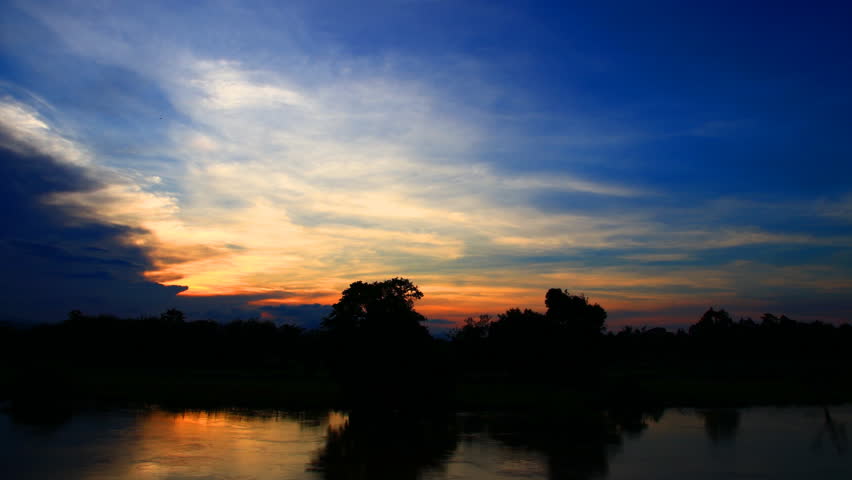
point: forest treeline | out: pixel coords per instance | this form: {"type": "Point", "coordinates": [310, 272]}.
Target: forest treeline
{"type": "Point", "coordinates": [375, 341]}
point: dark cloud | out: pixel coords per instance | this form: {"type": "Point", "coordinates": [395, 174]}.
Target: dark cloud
{"type": "Point", "coordinates": [440, 327]}
{"type": "Point", "coordinates": [224, 308]}
{"type": "Point", "coordinates": [54, 263]}
{"type": "Point", "coordinates": [189, 253]}
{"type": "Point", "coordinates": [307, 316]}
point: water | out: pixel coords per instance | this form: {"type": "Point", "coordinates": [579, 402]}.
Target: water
{"type": "Point", "coordinates": [753, 443]}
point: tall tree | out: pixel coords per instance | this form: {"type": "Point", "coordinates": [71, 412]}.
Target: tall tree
{"type": "Point", "coordinates": [377, 309]}
{"type": "Point", "coordinates": [379, 348]}
{"type": "Point", "coordinates": [574, 314]}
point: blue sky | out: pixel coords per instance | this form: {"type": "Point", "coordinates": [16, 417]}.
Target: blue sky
{"type": "Point", "coordinates": [257, 157]}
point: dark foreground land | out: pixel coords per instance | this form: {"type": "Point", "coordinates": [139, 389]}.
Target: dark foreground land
{"type": "Point", "coordinates": [271, 388]}
{"type": "Point", "coordinates": [258, 365]}
{"type": "Point", "coordinates": [374, 351]}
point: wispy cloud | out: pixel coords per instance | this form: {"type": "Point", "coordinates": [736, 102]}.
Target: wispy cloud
{"type": "Point", "coordinates": [30, 132]}
{"type": "Point", "coordinates": [326, 167]}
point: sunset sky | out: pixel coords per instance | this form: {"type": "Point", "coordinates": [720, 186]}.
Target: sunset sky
{"type": "Point", "coordinates": [239, 159]}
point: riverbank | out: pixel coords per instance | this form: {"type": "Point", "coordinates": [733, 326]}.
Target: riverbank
{"type": "Point", "coordinates": [271, 388]}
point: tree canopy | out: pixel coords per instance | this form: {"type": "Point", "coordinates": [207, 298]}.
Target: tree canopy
{"type": "Point", "coordinates": [574, 313]}
{"type": "Point", "coordinates": [377, 308]}
{"type": "Point", "coordinates": [378, 346]}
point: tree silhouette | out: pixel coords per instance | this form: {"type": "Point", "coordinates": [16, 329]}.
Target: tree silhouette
{"type": "Point", "coordinates": [172, 315]}
{"type": "Point", "coordinates": [378, 347]}
{"type": "Point", "coordinates": [377, 309]}
{"type": "Point", "coordinates": [574, 314]}
{"type": "Point", "coordinates": [713, 323]}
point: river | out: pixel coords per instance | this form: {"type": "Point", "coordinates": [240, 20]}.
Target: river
{"type": "Point", "coordinates": [154, 443]}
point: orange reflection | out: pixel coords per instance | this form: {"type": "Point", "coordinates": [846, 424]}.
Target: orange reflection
{"type": "Point", "coordinates": [223, 444]}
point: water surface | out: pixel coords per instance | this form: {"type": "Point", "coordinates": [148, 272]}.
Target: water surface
{"type": "Point", "coordinates": [776, 443]}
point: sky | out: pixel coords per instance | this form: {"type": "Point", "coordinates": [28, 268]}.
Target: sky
{"type": "Point", "coordinates": [252, 159]}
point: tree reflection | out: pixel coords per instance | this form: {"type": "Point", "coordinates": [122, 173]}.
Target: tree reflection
{"type": "Point", "coordinates": [835, 433]}
{"type": "Point", "coordinates": [721, 424]}
{"type": "Point", "coordinates": [387, 445]}
{"type": "Point", "coordinates": [577, 444]}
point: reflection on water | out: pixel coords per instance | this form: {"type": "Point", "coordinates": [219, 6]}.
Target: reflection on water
{"type": "Point", "coordinates": [572, 444]}
{"type": "Point", "coordinates": [157, 444]}
{"type": "Point", "coordinates": [834, 433]}
{"type": "Point", "coordinates": [720, 423]}
{"type": "Point", "coordinates": [160, 444]}
{"type": "Point", "coordinates": [387, 445]}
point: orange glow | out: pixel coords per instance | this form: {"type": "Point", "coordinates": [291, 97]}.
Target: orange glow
{"type": "Point", "coordinates": [326, 298]}
{"type": "Point", "coordinates": [226, 444]}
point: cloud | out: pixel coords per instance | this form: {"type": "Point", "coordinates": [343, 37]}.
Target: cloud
{"type": "Point", "coordinates": [838, 209]}
{"type": "Point", "coordinates": [314, 181]}
{"type": "Point", "coordinates": [226, 88]}
{"type": "Point", "coordinates": [74, 237]}
{"type": "Point", "coordinates": [439, 327]}
{"type": "Point", "coordinates": [298, 169]}
{"type": "Point", "coordinates": [52, 266]}
{"type": "Point", "coordinates": [305, 316]}
{"type": "Point", "coordinates": [25, 132]}
{"type": "Point", "coordinates": [62, 258]}
{"type": "Point", "coordinates": [657, 257]}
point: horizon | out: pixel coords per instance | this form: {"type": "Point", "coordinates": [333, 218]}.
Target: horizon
{"type": "Point", "coordinates": [437, 327]}
{"type": "Point", "coordinates": [253, 160]}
